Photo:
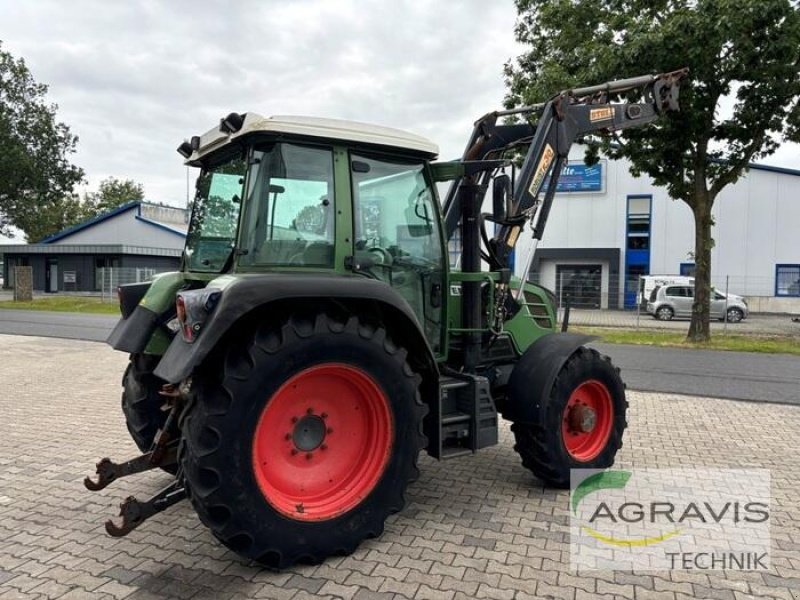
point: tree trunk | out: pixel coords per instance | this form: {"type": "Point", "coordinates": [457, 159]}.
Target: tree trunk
{"type": "Point", "coordinates": [700, 328]}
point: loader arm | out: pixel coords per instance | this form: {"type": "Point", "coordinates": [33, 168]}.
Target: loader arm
{"type": "Point", "coordinates": [562, 120]}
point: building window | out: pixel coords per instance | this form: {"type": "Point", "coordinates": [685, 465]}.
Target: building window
{"type": "Point", "coordinates": [688, 269]}
{"type": "Point", "coordinates": [787, 280]}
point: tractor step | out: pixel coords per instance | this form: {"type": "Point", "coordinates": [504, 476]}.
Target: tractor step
{"type": "Point", "coordinates": [464, 418]}
{"type": "Point", "coordinates": [454, 418]}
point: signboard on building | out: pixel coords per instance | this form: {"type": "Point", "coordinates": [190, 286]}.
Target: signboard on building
{"type": "Point", "coordinates": [70, 277]}
{"type": "Point", "coordinates": [581, 178]}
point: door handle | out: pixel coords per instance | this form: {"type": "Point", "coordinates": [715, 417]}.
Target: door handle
{"type": "Point", "coordinates": [436, 295]}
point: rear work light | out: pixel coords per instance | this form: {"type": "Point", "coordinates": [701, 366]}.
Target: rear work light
{"type": "Point", "coordinates": [193, 308]}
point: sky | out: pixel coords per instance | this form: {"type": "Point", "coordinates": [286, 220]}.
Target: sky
{"type": "Point", "coordinates": [134, 79]}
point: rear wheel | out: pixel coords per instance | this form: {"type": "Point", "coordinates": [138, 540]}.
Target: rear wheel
{"type": "Point", "coordinates": [579, 426]}
{"type": "Point", "coordinates": [305, 442]}
{"type": "Point", "coordinates": [141, 402]}
{"type": "Point", "coordinates": [665, 313]}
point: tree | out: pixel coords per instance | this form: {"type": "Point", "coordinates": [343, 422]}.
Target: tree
{"type": "Point", "coordinates": [38, 220]}
{"type": "Point", "coordinates": [745, 50]}
{"type": "Point", "coordinates": [113, 193]}
{"type": "Point", "coordinates": [36, 175]}
{"type": "Point", "coordinates": [41, 220]}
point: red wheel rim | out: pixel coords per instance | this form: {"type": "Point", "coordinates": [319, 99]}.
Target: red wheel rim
{"type": "Point", "coordinates": [322, 442]}
{"type": "Point", "coordinates": [587, 420]}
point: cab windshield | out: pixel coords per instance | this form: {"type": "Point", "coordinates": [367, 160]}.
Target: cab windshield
{"type": "Point", "coordinates": [212, 228]}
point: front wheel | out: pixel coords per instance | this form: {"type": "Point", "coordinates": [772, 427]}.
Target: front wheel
{"type": "Point", "coordinates": [579, 425]}
{"type": "Point", "coordinates": [735, 315]}
{"type": "Point", "coordinates": [306, 441]}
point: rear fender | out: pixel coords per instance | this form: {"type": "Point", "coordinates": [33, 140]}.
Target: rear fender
{"type": "Point", "coordinates": [545, 358]}
{"type": "Point", "coordinates": [248, 295]}
{"type": "Point", "coordinates": [145, 309]}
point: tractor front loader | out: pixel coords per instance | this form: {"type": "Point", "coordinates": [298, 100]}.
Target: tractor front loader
{"type": "Point", "coordinates": [316, 337]}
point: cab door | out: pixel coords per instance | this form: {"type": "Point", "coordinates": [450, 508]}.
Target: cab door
{"type": "Point", "coordinates": [397, 234]}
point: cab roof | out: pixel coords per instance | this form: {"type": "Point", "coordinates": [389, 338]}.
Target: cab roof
{"type": "Point", "coordinates": [328, 129]}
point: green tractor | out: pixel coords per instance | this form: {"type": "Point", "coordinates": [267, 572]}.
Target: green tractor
{"type": "Point", "coordinates": [317, 336]}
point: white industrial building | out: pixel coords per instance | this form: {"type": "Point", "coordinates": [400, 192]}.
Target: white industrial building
{"type": "Point", "coordinates": [608, 227]}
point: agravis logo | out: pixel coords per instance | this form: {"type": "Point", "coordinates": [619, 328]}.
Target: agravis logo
{"type": "Point", "coordinates": [656, 514]}
{"type": "Point", "coordinates": [610, 480]}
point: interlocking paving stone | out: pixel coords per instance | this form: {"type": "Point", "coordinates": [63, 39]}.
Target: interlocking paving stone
{"type": "Point", "coordinates": [475, 527]}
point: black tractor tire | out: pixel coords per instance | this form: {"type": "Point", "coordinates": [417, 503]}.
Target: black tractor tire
{"type": "Point", "coordinates": [542, 445]}
{"type": "Point", "coordinates": [141, 403]}
{"type": "Point", "coordinates": [239, 394]}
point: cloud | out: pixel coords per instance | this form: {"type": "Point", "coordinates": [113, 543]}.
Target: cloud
{"type": "Point", "coordinates": [134, 79]}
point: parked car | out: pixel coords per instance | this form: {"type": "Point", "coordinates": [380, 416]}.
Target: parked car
{"type": "Point", "coordinates": [669, 301]}
{"type": "Point", "coordinates": [648, 283]}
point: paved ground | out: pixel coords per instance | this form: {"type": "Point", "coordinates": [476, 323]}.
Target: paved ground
{"type": "Point", "coordinates": [737, 375]}
{"type": "Point", "coordinates": [57, 324]}
{"type": "Point", "coordinates": [97, 327]}
{"type": "Point", "coordinates": [475, 527]}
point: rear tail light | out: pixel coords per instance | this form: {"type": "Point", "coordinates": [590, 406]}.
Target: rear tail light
{"type": "Point", "coordinates": [193, 309]}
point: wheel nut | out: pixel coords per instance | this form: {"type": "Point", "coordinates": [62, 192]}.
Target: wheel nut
{"type": "Point", "coordinates": [295, 419]}
{"type": "Point", "coordinates": [324, 415]}
{"type": "Point", "coordinates": [330, 429]}
{"type": "Point", "coordinates": [288, 436]}
{"type": "Point", "coordinates": [294, 451]}
{"type": "Point", "coordinates": [310, 411]}
{"type": "Point", "coordinates": [308, 456]}
{"type": "Point", "coordinates": [323, 447]}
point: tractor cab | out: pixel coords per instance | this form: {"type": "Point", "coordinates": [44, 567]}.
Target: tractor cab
{"type": "Point", "coordinates": [309, 194]}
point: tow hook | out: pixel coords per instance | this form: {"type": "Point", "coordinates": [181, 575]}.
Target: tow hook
{"type": "Point", "coordinates": [109, 471]}
{"type": "Point", "coordinates": [163, 452]}
{"type": "Point", "coordinates": [134, 512]}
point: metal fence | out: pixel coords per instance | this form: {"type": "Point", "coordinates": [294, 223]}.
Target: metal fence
{"type": "Point", "coordinates": [110, 278]}
{"type": "Point", "coordinates": [598, 299]}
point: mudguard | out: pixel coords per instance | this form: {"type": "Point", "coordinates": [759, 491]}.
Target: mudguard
{"type": "Point", "coordinates": [250, 292]}
{"type": "Point", "coordinates": [132, 333]}
{"type": "Point", "coordinates": [544, 358]}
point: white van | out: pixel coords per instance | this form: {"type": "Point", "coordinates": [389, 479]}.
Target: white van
{"type": "Point", "coordinates": [649, 282]}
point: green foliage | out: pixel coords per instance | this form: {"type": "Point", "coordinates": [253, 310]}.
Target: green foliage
{"type": "Point", "coordinates": [738, 342]}
{"type": "Point", "coordinates": [113, 193]}
{"type": "Point", "coordinates": [745, 51]}
{"type": "Point", "coordinates": [40, 220]}
{"type": "Point", "coordinates": [36, 177]}
{"type": "Point", "coordinates": [79, 304]}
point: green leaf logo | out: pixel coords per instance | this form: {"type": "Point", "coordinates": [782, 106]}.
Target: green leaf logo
{"type": "Point", "coordinates": [598, 481]}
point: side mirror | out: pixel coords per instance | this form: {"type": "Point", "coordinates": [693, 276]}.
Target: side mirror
{"type": "Point", "coordinates": [501, 197]}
